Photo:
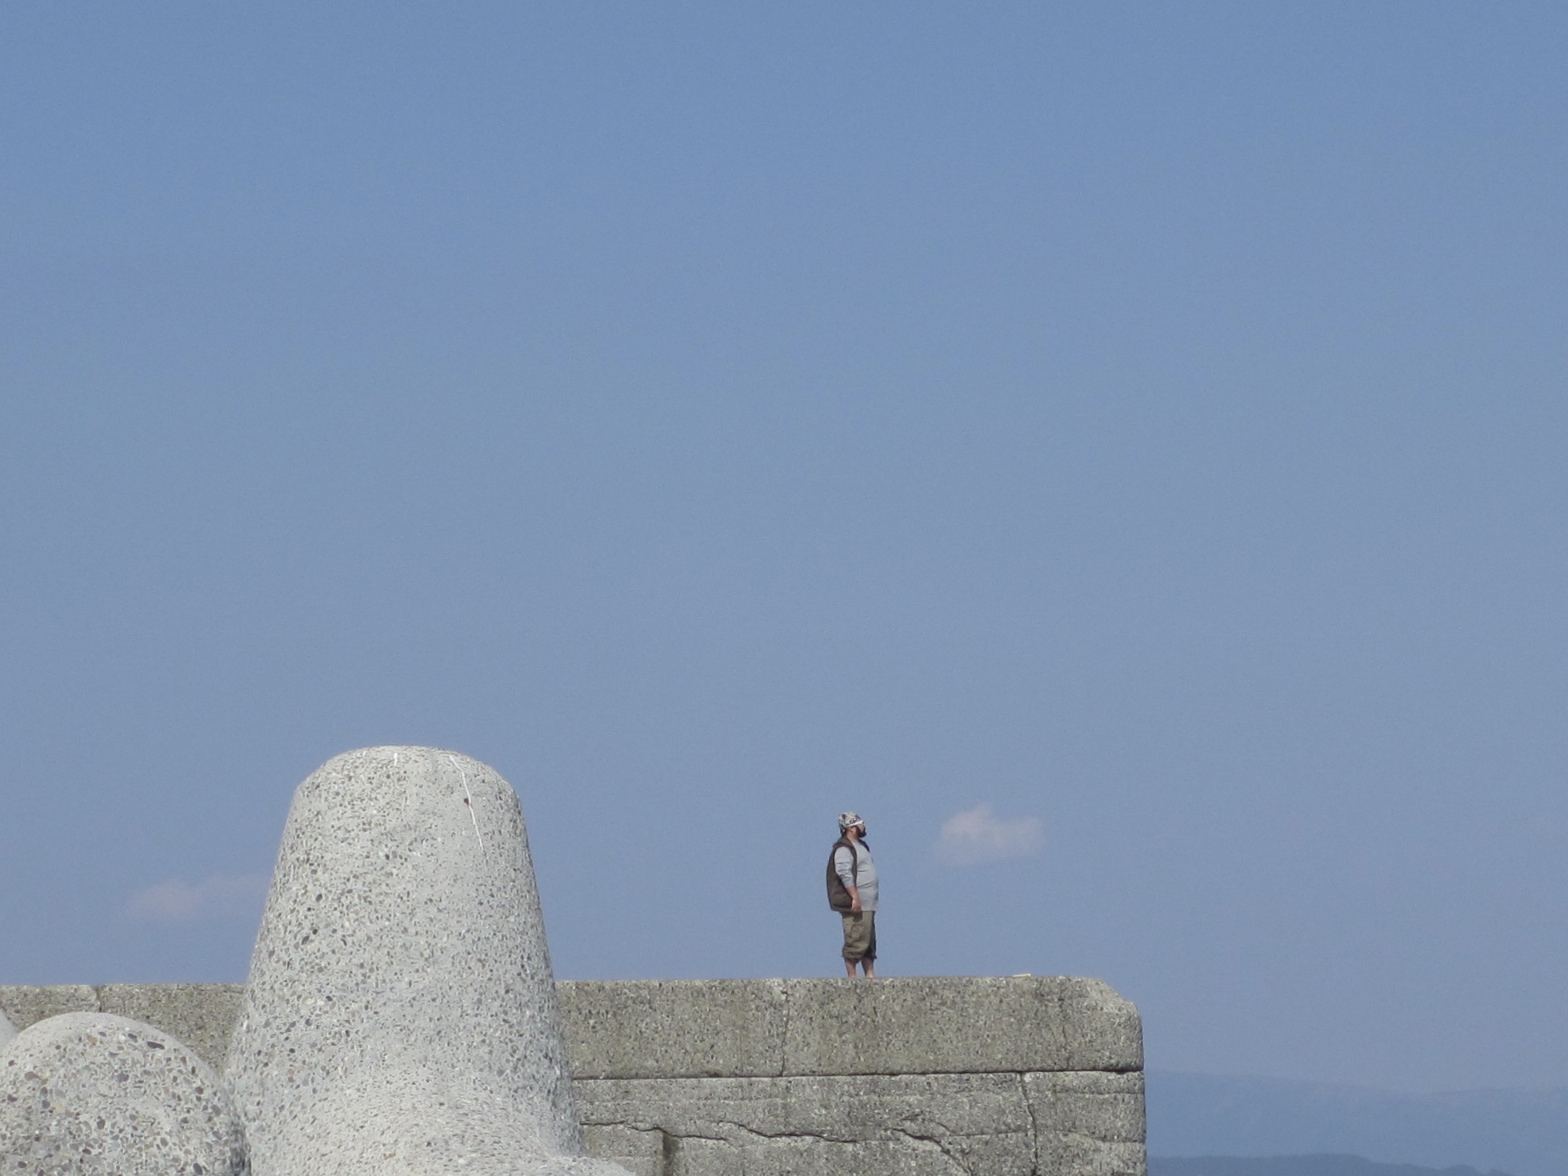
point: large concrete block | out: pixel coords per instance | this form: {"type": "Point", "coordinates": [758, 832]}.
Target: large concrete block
{"type": "Point", "coordinates": [400, 1016]}
{"type": "Point", "coordinates": [674, 1028]}
{"type": "Point", "coordinates": [868, 1125]}
{"type": "Point", "coordinates": [27, 1004]}
{"type": "Point", "coordinates": [956, 1025]}
{"type": "Point", "coordinates": [7, 1031]}
{"type": "Point", "coordinates": [92, 1094]}
{"type": "Point", "coordinates": [200, 1015]}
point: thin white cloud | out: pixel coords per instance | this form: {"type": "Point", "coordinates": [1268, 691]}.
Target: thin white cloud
{"type": "Point", "coordinates": [978, 835]}
{"type": "Point", "coordinates": [222, 896]}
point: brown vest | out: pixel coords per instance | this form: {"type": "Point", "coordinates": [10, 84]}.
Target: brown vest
{"type": "Point", "coordinates": [838, 895]}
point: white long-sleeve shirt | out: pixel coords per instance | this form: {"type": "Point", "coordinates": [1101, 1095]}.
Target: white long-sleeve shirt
{"type": "Point", "coordinates": [865, 878]}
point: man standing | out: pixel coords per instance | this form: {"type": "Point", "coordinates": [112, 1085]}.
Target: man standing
{"type": "Point", "coordinates": [852, 892]}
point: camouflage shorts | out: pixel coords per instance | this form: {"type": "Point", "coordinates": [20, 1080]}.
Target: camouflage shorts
{"type": "Point", "coordinates": [860, 936]}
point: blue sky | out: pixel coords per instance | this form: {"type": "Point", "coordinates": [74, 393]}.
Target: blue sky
{"type": "Point", "coordinates": [1143, 420]}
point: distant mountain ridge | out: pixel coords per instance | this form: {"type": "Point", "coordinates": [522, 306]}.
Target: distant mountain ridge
{"type": "Point", "coordinates": [1523, 1132]}
{"type": "Point", "coordinates": [1327, 1165]}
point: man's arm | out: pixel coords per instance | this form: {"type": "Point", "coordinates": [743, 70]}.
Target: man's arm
{"type": "Point", "coordinates": [844, 863]}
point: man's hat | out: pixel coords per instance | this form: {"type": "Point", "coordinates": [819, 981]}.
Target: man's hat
{"type": "Point", "coordinates": [846, 820]}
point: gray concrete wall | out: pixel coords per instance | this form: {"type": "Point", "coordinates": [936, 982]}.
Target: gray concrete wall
{"type": "Point", "coordinates": [949, 1076]}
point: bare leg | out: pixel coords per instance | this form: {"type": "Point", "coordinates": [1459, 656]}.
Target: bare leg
{"type": "Point", "coordinates": [849, 968]}
{"type": "Point", "coordinates": [870, 968]}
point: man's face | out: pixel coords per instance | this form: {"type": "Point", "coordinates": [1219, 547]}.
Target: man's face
{"type": "Point", "coordinates": [858, 830]}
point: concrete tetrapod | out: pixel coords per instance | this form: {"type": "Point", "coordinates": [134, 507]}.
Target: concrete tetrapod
{"type": "Point", "coordinates": [93, 1094]}
{"type": "Point", "coordinates": [400, 1015]}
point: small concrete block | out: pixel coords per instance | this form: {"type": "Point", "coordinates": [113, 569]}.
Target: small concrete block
{"type": "Point", "coordinates": [1089, 1123]}
{"type": "Point", "coordinates": [92, 1094]}
{"type": "Point", "coordinates": [1076, 1155]}
{"type": "Point", "coordinates": [957, 1025]}
{"type": "Point", "coordinates": [1103, 1029]}
{"type": "Point", "coordinates": [401, 1014]}
{"type": "Point", "coordinates": [674, 1028]}
{"type": "Point", "coordinates": [200, 1015]}
{"type": "Point", "coordinates": [28, 1004]}
{"type": "Point", "coordinates": [1097, 1105]}
{"type": "Point", "coordinates": [642, 1153]}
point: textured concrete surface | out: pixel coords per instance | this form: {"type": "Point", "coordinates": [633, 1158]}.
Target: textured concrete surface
{"type": "Point", "coordinates": [675, 1028]}
{"type": "Point", "coordinates": [959, 1024]}
{"type": "Point", "coordinates": [952, 1124]}
{"type": "Point", "coordinates": [871, 1126]}
{"type": "Point", "coordinates": [932, 1076]}
{"type": "Point", "coordinates": [202, 1016]}
{"type": "Point", "coordinates": [199, 1016]}
{"type": "Point", "coordinates": [914, 1025]}
{"type": "Point", "coordinates": [400, 1015]}
{"type": "Point", "coordinates": [1005, 1074]}
{"type": "Point", "coordinates": [737, 1028]}
{"type": "Point", "coordinates": [87, 1093]}
{"type": "Point", "coordinates": [1088, 1124]}
{"type": "Point", "coordinates": [26, 1004]}
{"type": "Point", "coordinates": [7, 1031]}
